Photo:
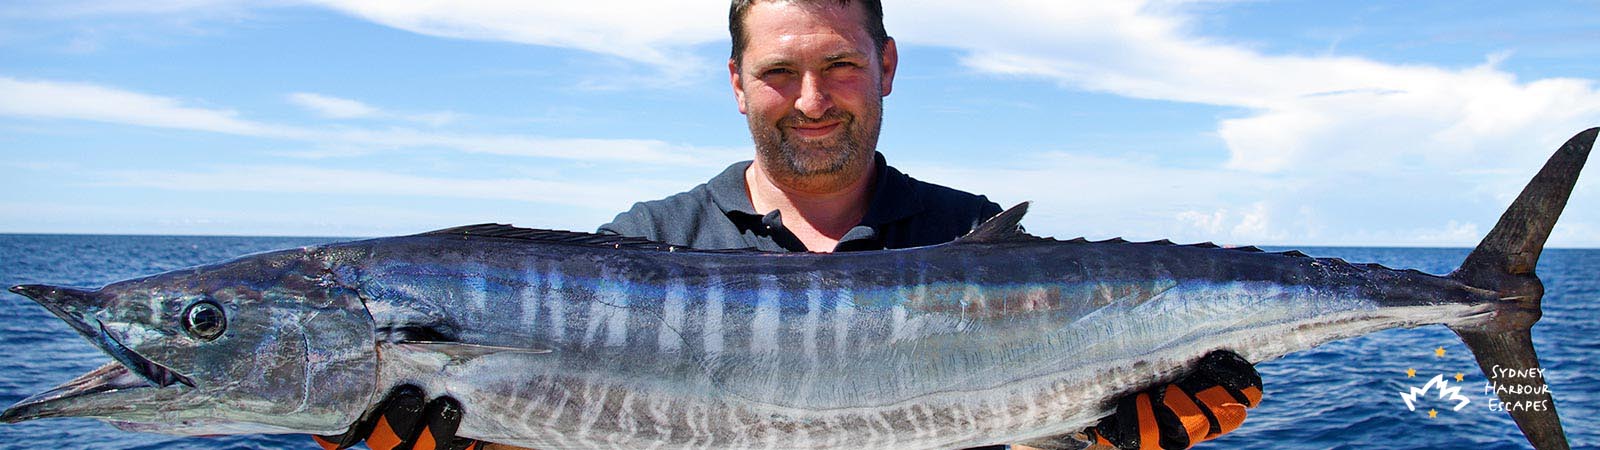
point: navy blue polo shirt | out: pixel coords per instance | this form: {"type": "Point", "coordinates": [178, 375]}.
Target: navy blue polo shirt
{"type": "Point", "coordinates": [904, 212]}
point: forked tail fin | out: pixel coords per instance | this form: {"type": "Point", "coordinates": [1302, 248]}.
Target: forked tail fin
{"type": "Point", "coordinates": [1504, 263]}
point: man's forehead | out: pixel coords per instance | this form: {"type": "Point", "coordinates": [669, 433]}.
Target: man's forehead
{"type": "Point", "coordinates": [825, 26]}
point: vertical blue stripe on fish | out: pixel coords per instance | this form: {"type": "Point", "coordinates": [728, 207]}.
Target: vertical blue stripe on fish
{"type": "Point", "coordinates": [811, 323]}
{"type": "Point", "coordinates": [711, 319]}
{"type": "Point", "coordinates": [669, 337]}
{"type": "Point", "coordinates": [764, 323]}
{"type": "Point", "coordinates": [475, 284]}
{"type": "Point", "coordinates": [529, 295]}
{"type": "Point", "coordinates": [844, 310]}
{"type": "Point", "coordinates": [555, 301]}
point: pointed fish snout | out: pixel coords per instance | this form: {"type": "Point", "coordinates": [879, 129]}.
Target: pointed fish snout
{"type": "Point", "coordinates": [32, 291]}
{"type": "Point", "coordinates": [44, 293]}
{"type": "Point", "coordinates": [71, 305]}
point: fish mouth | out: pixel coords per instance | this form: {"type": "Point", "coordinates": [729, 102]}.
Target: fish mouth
{"type": "Point", "coordinates": [96, 393]}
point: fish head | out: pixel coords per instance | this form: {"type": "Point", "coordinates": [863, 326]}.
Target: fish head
{"type": "Point", "coordinates": [269, 343]}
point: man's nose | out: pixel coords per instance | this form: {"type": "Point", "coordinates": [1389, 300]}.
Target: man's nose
{"type": "Point", "coordinates": [813, 101]}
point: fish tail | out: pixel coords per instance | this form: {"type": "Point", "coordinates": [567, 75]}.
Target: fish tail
{"type": "Point", "coordinates": [1504, 262]}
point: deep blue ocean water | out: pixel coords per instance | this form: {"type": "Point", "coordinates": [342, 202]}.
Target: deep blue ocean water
{"type": "Point", "coordinates": [1343, 395]}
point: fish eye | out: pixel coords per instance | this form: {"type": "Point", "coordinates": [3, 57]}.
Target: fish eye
{"type": "Point", "coordinates": [205, 320]}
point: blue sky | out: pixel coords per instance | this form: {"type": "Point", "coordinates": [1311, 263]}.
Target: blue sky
{"type": "Point", "coordinates": [1240, 122]}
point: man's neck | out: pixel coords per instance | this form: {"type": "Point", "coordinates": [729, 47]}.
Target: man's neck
{"type": "Point", "coordinates": [819, 211]}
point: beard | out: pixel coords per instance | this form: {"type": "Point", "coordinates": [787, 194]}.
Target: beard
{"type": "Point", "coordinates": [793, 156]}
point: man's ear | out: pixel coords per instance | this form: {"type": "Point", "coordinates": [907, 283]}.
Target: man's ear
{"type": "Point", "coordinates": [737, 83]}
{"type": "Point", "coordinates": [889, 59]}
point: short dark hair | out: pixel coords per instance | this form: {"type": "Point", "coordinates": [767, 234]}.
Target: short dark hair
{"type": "Point", "coordinates": [873, 22]}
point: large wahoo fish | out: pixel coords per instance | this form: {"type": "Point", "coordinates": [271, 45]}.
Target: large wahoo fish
{"type": "Point", "coordinates": [560, 340]}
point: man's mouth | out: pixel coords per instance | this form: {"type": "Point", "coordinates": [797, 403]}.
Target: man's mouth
{"type": "Point", "coordinates": [814, 131]}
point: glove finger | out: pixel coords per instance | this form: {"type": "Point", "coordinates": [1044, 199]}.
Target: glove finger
{"type": "Point", "coordinates": [1232, 371]}
{"type": "Point", "coordinates": [1121, 428]}
{"type": "Point", "coordinates": [443, 417]}
{"type": "Point", "coordinates": [1194, 423]}
{"type": "Point", "coordinates": [1224, 408]}
{"type": "Point", "coordinates": [328, 444]}
{"type": "Point", "coordinates": [404, 395]}
{"type": "Point", "coordinates": [401, 421]}
{"type": "Point", "coordinates": [1149, 428]}
{"type": "Point", "coordinates": [1229, 417]}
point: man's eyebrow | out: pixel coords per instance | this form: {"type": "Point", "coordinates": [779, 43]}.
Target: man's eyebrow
{"type": "Point", "coordinates": [845, 55]}
{"type": "Point", "coordinates": [773, 62]}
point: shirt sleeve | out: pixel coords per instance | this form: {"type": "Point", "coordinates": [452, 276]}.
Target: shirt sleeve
{"type": "Point", "coordinates": [635, 222]}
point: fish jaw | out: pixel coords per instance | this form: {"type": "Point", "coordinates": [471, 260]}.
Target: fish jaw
{"type": "Point", "coordinates": [113, 389]}
{"type": "Point", "coordinates": [108, 390]}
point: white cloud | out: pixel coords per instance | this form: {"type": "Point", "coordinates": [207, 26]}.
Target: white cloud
{"type": "Point", "coordinates": [1135, 198]}
{"type": "Point", "coordinates": [82, 101]}
{"type": "Point", "coordinates": [1452, 231]}
{"type": "Point", "coordinates": [344, 108]}
{"type": "Point", "coordinates": [1130, 197]}
{"type": "Point", "coordinates": [332, 107]}
{"type": "Point", "coordinates": [648, 31]}
{"type": "Point", "coordinates": [287, 179]}
{"type": "Point", "coordinates": [643, 151]}
{"type": "Point", "coordinates": [34, 9]}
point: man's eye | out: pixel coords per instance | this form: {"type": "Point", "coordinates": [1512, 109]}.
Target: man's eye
{"type": "Point", "coordinates": [774, 72]}
{"type": "Point", "coordinates": [846, 64]}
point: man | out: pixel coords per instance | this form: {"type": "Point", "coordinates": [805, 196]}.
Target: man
{"type": "Point", "coordinates": [810, 77]}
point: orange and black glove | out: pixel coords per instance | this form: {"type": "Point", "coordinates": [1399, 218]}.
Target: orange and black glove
{"type": "Point", "coordinates": [1201, 406]}
{"type": "Point", "coordinates": [405, 420]}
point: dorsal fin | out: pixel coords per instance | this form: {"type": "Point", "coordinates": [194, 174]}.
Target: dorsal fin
{"type": "Point", "coordinates": [1003, 227]}
{"type": "Point", "coordinates": [495, 230]}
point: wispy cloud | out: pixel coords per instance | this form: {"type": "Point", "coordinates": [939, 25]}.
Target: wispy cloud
{"type": "Point", "coordinates": [1128, 196]}
{"type": "Point", "coordinates": [290, 179]}
{"type": "Point", "coordinates": [344, 108]}
{"type": "Point", "coordinates": [82, 101]}
{"type": "Point", "coordinates": [332, 107]}
{"type": "Point", "coordinates": [652, 32]}
{"type": "Point", "coordinates": [34, 9]}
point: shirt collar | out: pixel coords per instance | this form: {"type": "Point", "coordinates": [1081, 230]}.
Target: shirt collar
{"type": "Point", "coordinates": [892, 195]}
{"type": "Point", "coordinates": [728, 190]}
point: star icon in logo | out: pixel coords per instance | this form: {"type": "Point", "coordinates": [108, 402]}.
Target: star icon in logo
{"type": "Point", "coordinates": [1460, 377]}
{"type": "Point", "coordinates": [1433, 413]}
{"type": "Point", "coordinates": [1411, 373]}
{"type": "Point", "coordinates": [1439, 351]}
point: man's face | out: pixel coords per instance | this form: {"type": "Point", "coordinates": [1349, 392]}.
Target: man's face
{"type": "Point", "coordinates": [811, 86]}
